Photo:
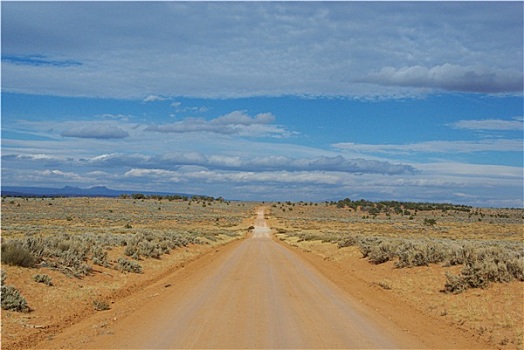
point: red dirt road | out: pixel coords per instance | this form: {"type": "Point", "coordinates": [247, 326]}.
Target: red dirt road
{"type": "Point", "coordinates": [258, 294]}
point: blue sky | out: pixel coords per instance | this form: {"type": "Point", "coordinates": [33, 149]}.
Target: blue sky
{"type": "Point", "coordinates": [305, 101]}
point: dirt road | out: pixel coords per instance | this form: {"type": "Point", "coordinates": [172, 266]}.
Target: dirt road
{"type": "Point", "coordinates": [258, 294]}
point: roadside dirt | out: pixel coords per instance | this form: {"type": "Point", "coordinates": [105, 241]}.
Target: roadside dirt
{"type": "Point", "coordinates": [257, 293]}
{"type": "Point", "coordinates": [492, 316]}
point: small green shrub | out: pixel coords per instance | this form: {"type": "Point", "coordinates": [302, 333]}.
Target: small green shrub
{"type": "Point", "coordinates": [419, 253]}
{"type": "Point", "coordinates": [131, 250]}
{"type": "Point", "coordinates": [149, 249]}
{"type": "Point", "coordinates": [515, 267]}
{"type": "Point", "coordinates": [11, 299]}
{"type": "Point", "coordinates": [382, 253]}
{"type": "Point", "coordinates": [366, 243]}
{"type": "Point", "coordinates": [100, 305]}
{"type": "Point", "coordinates": [430, 222]}
{"type": "Point", "coordinates": [129, 266]}
{"type": "Point", "coordinates": [16, 255]}
{"type": "Point", "coordinates": [99, 256]}
{"type": "Point", "coordinates": [43, 279]}
{"type": "Point", "coordinates": [348, 241]}
{"type": "Point", "coordinates": [455, 284]}
{"type": "Point", "coordinates": [483, 266]}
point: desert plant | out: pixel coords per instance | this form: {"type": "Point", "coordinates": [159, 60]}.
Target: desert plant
{"type": "Point", "coordinates": [430, 222]}
{"type": "Point", "coordinates": [99, 256]}
{"type": "Point", "coordinates": [11, 299]}
{"type": "Point", "coordinates": [100, 305]}
{"type": "Point", "coordinates": [515, 267]}
{"type": "Point", "coordinates": [419, 253]}
{"type": "Point", "coordinates": [366, 243]}
{"type": "Point", "coordinates": [348, 241]}
{"type": "Point", "coordinates": [484, 265]}
{"type": "Point", "coordinates": [15, 254]}
{"type": "Point", "coordinates": [383, 252]}
{"type": "Point", "coordinates": [39, 278]}
{"type": "Point", "coordinates": [129, 266]}
{"type": "Point", "coordinates": [149, 249]}
{"type": "Point", "coordinates": [455, 284]}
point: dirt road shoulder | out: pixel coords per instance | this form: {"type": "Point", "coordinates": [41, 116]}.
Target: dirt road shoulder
{"type": "Point", "coordinates": [428, 330]}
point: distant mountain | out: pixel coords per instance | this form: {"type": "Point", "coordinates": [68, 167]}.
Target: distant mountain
{"type": "Point", "coordinates": [68, 191]}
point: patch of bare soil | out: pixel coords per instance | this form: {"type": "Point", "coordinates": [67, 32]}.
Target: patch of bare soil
{"type": "Point", "coordinates": [69, 300]}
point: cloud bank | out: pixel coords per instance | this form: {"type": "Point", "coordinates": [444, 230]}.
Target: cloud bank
{"type": "Point", "coordinates": [234, 123]}
{"type": "Point", "coordinates": [174, 160]}
{"type": "Point", "coordinates": [95, 132]}
{"type": "Point", "coordinates": [450, 77]}
{"type": "Point", "coordinates": [260, 48]}
{"type": "Point", "coordinates": [490, 124]}
{"type": "Point", "coordinates": [495, 145]}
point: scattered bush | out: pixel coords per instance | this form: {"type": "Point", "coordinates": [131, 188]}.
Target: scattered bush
{"type": "Point", "coordinates": [430, 222]}
{"type": "Point", "coordinates": [419, 253]}
{"type": "Point", "coordinates": [100, 305]}
{"type": "Point", "coordinates": [17, 255]}
{"type": "Point", "coordinates": [382, 252]}
{"type": "Point", "coordinates": [11, 299]}
{"type": "Point", "coordinates": [515, 268]}
{"type": "Point", "coordinates": [484, 262]}
{"type": "Point", "coordinates": [71, 254]}
{"type": "Point", "coordinates": [348, 241]}
{"type": "Point", "coordinates": [365, 245]}
{"type": "Point", "coordinates": [483, 266]}
{"type": "Point", "coordinates": [99, 256]}
{"type": "Point", "coordinates": [129, 266]}
{"type": "Point", "coordinates": [43, 279]}
{"type": "Point", "coordinates": [454, 284]}
{"type": "Point", "coordinates": [149, 249]}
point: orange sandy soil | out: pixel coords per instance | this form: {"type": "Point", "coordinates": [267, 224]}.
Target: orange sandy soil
{"type": "Point", "coordinates": [493, 316]}
{"type": "Point", "coordinates": [490, 318]}
{"type": "Point", "coordinates": [69, 300]}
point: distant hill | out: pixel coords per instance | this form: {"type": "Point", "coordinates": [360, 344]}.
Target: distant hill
{"type": "Point", "coordinates": [68, 191]}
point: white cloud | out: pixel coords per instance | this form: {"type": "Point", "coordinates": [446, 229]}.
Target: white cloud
{"type": "Point", "coordinates": [497, 145]}
{"type": "Point", "coordinates": [234, 123]}
{"type": "Point", "coordinates": [148, 172]}
{"type": "Point", "coordinates": [250, 164]}
{"type": "Point", "coordinates": [31, 157]}
{"type": "Point", "coordinates": [452, 77]}
{"type": "Point", "coordinates": [95, 131]}
{"type": "Point", "coordinates": [490, 124]}
{"type": "Point", "coordinates": [442, 182]}
{"type": "Point", "coordinates": [121, 117]}
{"type": "Point", "coordinates": [154, 98]}
{"type": "Point", "coordinates": [66, 175]}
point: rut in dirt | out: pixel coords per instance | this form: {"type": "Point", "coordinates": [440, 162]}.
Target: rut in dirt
{"type": "Point", "coordinates": [258, 295]}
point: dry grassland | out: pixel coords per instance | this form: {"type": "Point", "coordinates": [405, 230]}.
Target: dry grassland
{"type": "Point", "coordinates": [90, 227]}
{"type": "Point", "coordinates": [493, 314]}
{"type": "Point", "coordinates": [121, 233]}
